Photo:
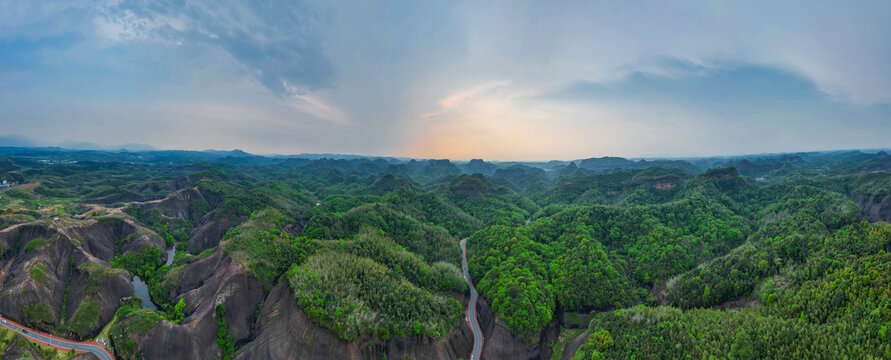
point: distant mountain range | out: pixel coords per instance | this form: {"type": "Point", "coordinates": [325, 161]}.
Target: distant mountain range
{"type": "Point", "coordinates": [21, 141]}
{"type": "Point", "coordinates": [597, 164]}
{"type": "Point", "coordinates": [520, 174]}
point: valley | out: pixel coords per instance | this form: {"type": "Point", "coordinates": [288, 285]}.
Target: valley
{"type": "Point", "coordinates": [472, 318]}
{"type": "Point", "coordinates": [193, 255]}
{"type": "Point", "coordinates": [445, 180]}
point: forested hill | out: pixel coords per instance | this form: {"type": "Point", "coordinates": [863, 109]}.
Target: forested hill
{"type": "Point", "coordinates": [769, 256]}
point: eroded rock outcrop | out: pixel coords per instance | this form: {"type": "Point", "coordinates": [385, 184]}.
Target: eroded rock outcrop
{"type": "Point", "coordinates": [203, 285]}
{"type": "Point", "coordinates": [285, 332]}
{"type": "Point", "coordinates": [501, 344]}
{"type": "Point", "coordinates": [875, 207]}
{"type": "Point", "coordinates": [53, 268]}
{"type": "Point", "coordinates": [210, 229]}
{"type": "Point", "coordinates": [574, 346]}
{"type": "Point", "coordinates": [198, 205]}
{"type": "Point", "coordinates": [16, 352]}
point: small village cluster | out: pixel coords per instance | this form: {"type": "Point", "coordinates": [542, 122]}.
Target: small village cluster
{"type": "Point", "coordinates": [6, 184]}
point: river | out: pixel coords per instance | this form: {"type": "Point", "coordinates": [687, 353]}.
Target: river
{"type": "Point", "coordinates": [171, 252]}
{"type": "Point", "coordinates": [141, 290]}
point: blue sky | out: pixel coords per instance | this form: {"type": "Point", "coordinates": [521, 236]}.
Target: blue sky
{"type": "Point", "coordinates": [501, 80]}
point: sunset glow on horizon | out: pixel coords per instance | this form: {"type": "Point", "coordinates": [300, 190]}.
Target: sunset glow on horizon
{"type": "Point", "coordinates": [500, 81]}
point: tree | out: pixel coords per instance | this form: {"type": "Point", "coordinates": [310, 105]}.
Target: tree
{"type": "Point", "coordinates": [178, 314]}
{"type": "Point", "coordinates": [763, 265]}
{"type": "Point", "coordinates": [224, 339]}
{"type": "Point", "coordinates": [742, 347]}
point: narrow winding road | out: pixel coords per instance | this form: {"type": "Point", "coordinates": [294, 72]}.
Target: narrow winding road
{"type": "Point", "coordinates": [61, 344]}
{"type": "Point", "coordinates": [471, 308]}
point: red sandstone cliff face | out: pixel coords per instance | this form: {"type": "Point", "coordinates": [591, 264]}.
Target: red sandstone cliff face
{"type": "Point", "coordinates": [200, 207]}
{"type": "Point", "coordinates": [285, 332]}
{"type": "Point", "coordinates": [72, 265]}
{"type": "Point", "coordinates": [264, 326]}
{"type": "Point", "coordinates": [203, 285]}
{"type": "Point", "coordinates": [500, 344]}
{"type": "Point", "coordinates": [875, 207]}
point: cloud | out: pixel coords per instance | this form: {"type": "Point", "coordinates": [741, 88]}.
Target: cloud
{"type": "Point", "coordinates": [275, 43]}
{"type": "Point", "coordinates": [462, 97]}
{"type": "Point", "coordinates": [502, 79]}
{"type": "Point", "coordinates": [123, 25]}
{"type": "Point", "coordinates": [497, 121]}
{"type": "Point", "coordinates": [737, 86]}
{"type": "Point", "coordinates": [314, 105]}
{"type": "Point", "coordinates": [841, 47]}
{"type": "Point", "coordinates": [687, 111]}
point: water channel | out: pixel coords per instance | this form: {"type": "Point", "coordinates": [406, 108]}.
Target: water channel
{"type": "Point", "coordinates": [141, 289]}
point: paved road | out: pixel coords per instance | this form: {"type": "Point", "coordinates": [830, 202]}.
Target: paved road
{"type": "Point", "coordinates": [61, 344]}
{"type": "Point", "coordinates": [471, 308]}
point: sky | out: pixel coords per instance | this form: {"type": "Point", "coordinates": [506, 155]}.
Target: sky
{"type": "Point", "coordinates": [499, 80]}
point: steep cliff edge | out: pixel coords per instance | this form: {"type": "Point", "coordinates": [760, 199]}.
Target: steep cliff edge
{"type": "Point", "coordinates": [875, 207]}
{"type": "Point", "coordinates": [202, 285]}
{"type": "Point", "coordinates": [574, 346]}
{"type": "Point", "coordinates": [196, 205]}
{"type": "Point", "coordinates": [57, 273]}
{"type": "Point", "coordinates": [501, 344]}
{"type": "Point", "coordinates": [285, 332]}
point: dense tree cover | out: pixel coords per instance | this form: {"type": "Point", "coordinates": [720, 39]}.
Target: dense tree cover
{"type": "Point", "coordinates": [579, 190]}
{"type": "Point", "coordinates": [520, 297]}
{"type": "Point", "coordinates": [522, 178]}
{"type": "Point", "coordinates": [433, 209]}
{"type": "Point", "coordinates": [142, 263]}
{"type": "Point", "coordinates": [386, 184]}
{"type": "Point", "coordinates": [597, 257]}
{"type": "Point", "coordinates": [160, 284]}
{"type": "Point", "coordinates": [172, 229]}
{"type": "Point", "coordinates": [265, 247]}
{"type": "Point", "coordinates": [653, 186]}
{"type": "Point", "coordinates": [654, 241]}
{"type": "Point", "coordinates": [873, 183]}
{"type": "Point", "coordinates": [629, 187]}
{"type": "Point", "coordinates": [95, 181]}
{"type": "Point", "coordinates": [512, 273]}
{"type": "Point", "coordinates": [668, 333]}
{"type": "Point", "coordinates": [602, 256]}
{"type": "Point", "coordinates": [785, 246]}
{"type": "Point", "coordinates": [242, 199]}
{"type": "Point", "coordinates": [490, 204]}
{"type": "Point", "coordinates": [845, 313]}
{"type": "Point", "coordinates": [724, 185]}
{"type": "Point", "coordinates": [824, 294]}
{"type": "Point", "coordinates": [352, 295]}
{"type": "Point", "coordinates": [431, 242]}
{"type": "Point", "coordinates": [857, 290]}
{"type": "Point", "coordinates": [439, 276]}
{"type": "Point", "coordinates": [791, 231]}
{"type": "Point", "coordinates": [585, 277]}
{"type": "Point", "coordinates": [342, 203]}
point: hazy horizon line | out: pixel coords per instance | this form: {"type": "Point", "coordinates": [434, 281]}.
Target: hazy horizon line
{"type": "Point", "coordinates": [151, 148]}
